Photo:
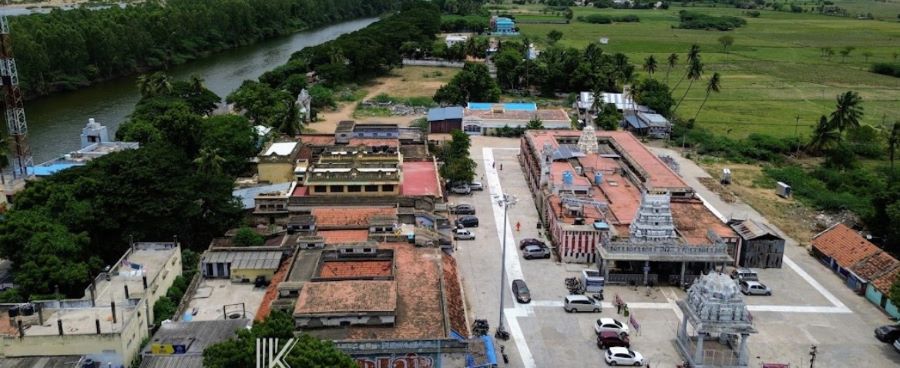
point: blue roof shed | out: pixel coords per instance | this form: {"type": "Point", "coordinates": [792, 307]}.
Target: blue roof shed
{"type": "Point", "coordinates": [445, 113]}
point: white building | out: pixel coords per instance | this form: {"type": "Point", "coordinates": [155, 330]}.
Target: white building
{"type": "Point", "coordinates": [453, 39]}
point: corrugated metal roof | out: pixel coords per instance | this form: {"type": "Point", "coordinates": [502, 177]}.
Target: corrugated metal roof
{"type": "Point", "coordinates": [634, 122]}
{"type": "Point", "coordinates": [653, 119]}
{"type": "Point", "coordinates": [750, 229]}
{"type": "Point", "coordinates": [263, 260]}
{"type": "Point", "coordinates": [445, 113]}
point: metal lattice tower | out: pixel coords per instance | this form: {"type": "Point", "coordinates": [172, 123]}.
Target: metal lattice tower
{"type": "Point", "coordinates": [13, 105]}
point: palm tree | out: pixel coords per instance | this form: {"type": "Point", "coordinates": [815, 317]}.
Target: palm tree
{"type": "Point", "coordinates": [824, 136]}
{"type": "Point", "coordinates": [893, 140]}
{"type": "Point", "coordinates": [154, 84]}
{"type": "Point", "coordinates": [847, 111]}
{"type": "Point", "coordinates": [196, 84]}
{"type": "Point", "coordinates": [650, 65]}
{"type": "Point", "coordinates": [693, 56]}
{"type": "Point", "coordinates": [208, 161]}
{"type": "Point", "coordinates": [623, 70]}
{"type": "Point", "coordinates": [695, 71]}
{"type": "Point", "coordinates": [288, 122]}
{"type": "Point", "coordinates": [672, 61]}
{"type": "Point", "coordinates": [711, 86]}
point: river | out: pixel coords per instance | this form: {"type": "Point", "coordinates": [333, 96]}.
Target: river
{"type": "Point", "coordinates": [55, 122]}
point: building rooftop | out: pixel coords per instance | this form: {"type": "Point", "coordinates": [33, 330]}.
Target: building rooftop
{"type": "Point", "coordinates": [144, 259]}
{"type": "Point", "coordinates": [844, 245]}
{"type": "Point", "coordinates": [280, 149]}
{"type": "Point", "coordinates": [195, 336]}
{"type": "Point", "coordinates": [245, 260]}
{"type": "Point", "coordinates": [507, 106]}
{"type": "Point", "coordinates": [349, 296]}
{"type": "Point", "coordinates": [693, 220]}
{"type": "Point", "coordinates": [247, 196]}
{"type": "Point", "coordinates": [445, 113]}
{"type": "Point", "coordinates": [420, 179]}
{"type": "Point", "coordinates": [216, 297]}
{"type": "Point", "coordinates": [348, 217]}
{"type": "Point", "coordinates": [317, 139]}
{"type": "Point", "coordinates": [59, 361]}
{"type": "Point", "coordinates": [874, 266]}
{"type": "Point", "coordinates": [517, 114]}
{"type": "Point", "coordinates": [343, 236]}
{"type": "Point", "coordinates": [356, 268]}
{"type": "Point", "coordinates": [751, 229]}
{"type": "Point", "coordinates": [345, 126]}
{"type": "Point", "coordinates": [653, 120]}
{"type": "Point", "coordinates": [884, 282]}
{"type": "Point", "coordinates": [374, 142]}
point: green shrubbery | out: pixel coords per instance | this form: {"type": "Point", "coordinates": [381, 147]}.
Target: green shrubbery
{"type": "Point", "coordinates": [694, 20]}
{"type": "Point", "coordinates": [756, 147]}
{"type": "Point", "coordinates": [892, 69]}
{"type": "Point", "coordinates": [464, 23]}
{"type": "Point", "coordinates": [606, 19]}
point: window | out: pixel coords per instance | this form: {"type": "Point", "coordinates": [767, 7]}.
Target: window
{"type": "Point", "coordinates": [387, 187]}
{"type": "Point", "coordinates": [337, 188]}
{"type": "Point", "coordinates": [319, 189]}
{"type": "Point", "coordinates": [354, 188]}
{"type": "Point", "coordinates": [371, 188]}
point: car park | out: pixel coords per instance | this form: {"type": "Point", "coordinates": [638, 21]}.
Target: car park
{"type": "Point", "coordinates": [460, 189]}
{"type": "Point", "coordinates": [623, 356]}
{"type": "Point", "coordinates": [534, 251]}
{"type": "Point", "coordinates": [887, 333]}
{"type": "Point", "coordinates": [520, 290]}
{"type": "Point", "coordinates": [754, 288]}
{"type": "Point", "coordinates": [744, 274]}
{"type": "Point", "coordinates": [531, 241]}
{"type": "Point", "coordinates": [580, 303]}
{"type": "Point", "coordinates": [609, 324]}
{"type": "Point", "coordinates": [462, 209]}
{"type": "Point", "coordinates": [476, 185]}
{"type": "Point", "coordinates": [467, 221]}
{"type": "Point", "coordinates": [611, 339]}
{"type": "Point", "coordinates": [463, 234]}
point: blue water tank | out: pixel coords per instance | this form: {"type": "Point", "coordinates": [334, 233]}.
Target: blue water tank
{"type": "Point", "coordinates": [598, 178]}
{"type": "Point", "coordinates": [568, 179]}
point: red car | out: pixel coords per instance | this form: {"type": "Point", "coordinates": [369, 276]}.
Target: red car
{"type": "Point", "coordinates": [610, 339]}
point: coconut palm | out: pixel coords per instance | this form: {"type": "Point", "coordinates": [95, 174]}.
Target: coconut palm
{"type": "Point", "coordinates": [847, 111]}
{"type": "Point", "coordinates": [824, 136]}
{"type": "Point", "coordinates": [712, 85]}
{"type": "Point", "coordinates": [650, 65]}
{"type": "Point", "coordinates": [672, 61]}
{"type": "Point", "coordinates": [695, 71]}
{"type": "Point", "coordinates": [208, 161]}
{"type": "Point", "coordinates": [288, 121]}
{"type": "Point", "coordinates": [154, 84]}
{"type": "Point", "coordinates": [693, 56]}
{"type": "Point", "coordinates": [893, 140]}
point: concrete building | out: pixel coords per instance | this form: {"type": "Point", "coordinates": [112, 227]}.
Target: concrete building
{"type": "Point", "coordinates": [454, 39]}
{"type": "Point", "coordinates": [356, 171]}
{"type": "Point", "coordinates": [95, 143]}
{"type": "Point", "coordinates": [181, 344]}
{"type": "Point", "coordinates": [108, 324]}
{"type": "Point", "coordinates": [349, 129]}
{"type": "Point", "coordinates": [863, 266]}
{"type": "Point", "coordinates": [719, 322]}
{"type": "Point", "coordinates": [445, 119]}
{"type": "Point", "coordinates": [604, 198]}
{"type": "Point", "coordinates": [276, 162]}
{"type": "Point", "coordinates": [647, 124]}
{"type": "Point", "coordinates": [240, 265]}
{"type": "Point", "coordinates": [502, 26]}
{"type": "Point", "coordinates": [761, 247]}
{"type": "Point", "coordinates": [487, 118]}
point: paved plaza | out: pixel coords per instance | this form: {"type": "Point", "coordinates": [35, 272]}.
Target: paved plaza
{"type": "Point", "coordinates": [810, 305]}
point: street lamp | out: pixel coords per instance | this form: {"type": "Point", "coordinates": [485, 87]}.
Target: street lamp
{"type": "Point", "coordinates": [506, 201]}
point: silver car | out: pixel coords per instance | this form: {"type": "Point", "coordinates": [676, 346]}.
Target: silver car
{"type": "Point", "coordinates": [476, 185]}
{"type": "Point", "coordinates": [461, 189]}
{"type": "Point", "coordinates": [535, 251]}
{"type": "Point", "coordinates": [463, 234]}
{"type": "Point", "coordinates": [754, 288]}
{"type": "Point", "coordinates": [581, 303]}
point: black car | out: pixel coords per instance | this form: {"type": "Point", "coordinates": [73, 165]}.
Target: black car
{"type": "Point", "coordinates": [467, 221]}
{"type": "Point", "coordinates": [531, 241]}
{"type": "Point", "coordinates": [463, 209]}
{"type": "Point", "coordinates": [520, 290]}
{"type": "Point", "coordinates": [887, 333]}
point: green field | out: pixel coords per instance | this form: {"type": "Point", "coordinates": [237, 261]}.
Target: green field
{"type": "Point", "coordinates": [774, 72]}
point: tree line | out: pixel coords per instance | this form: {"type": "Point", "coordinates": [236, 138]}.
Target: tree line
{"type": "Point", "coordinates": [65, 50]}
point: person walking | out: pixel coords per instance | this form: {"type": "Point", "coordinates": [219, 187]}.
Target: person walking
{"type": "Point", "coordinates": [518, 226]}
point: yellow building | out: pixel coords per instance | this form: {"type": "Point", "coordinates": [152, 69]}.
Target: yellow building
{"type": "Point", "coordinates": [277, 161]}
{"type": "Point", "coordinates": [356, 171]}
{"type": "Point", "coordinates": [109, 323]}
{"type": "Point", "coordinates": [240, 265]}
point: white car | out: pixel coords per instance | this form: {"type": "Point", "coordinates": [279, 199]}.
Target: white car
{"type": "Point", "coordinates": [463, 234]}
{"type": "Point", "coordinates": [754, 288]}
{"type": "Point", "coordinates": [609, 324]}
{"type": "Point", "coordinates": [476, 185]}
{"type": "Point", "coordinates": [624, 356]}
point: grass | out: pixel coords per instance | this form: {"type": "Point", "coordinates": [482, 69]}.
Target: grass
{"type": "Point", "coordinates": [772, 74]}
{"type": "Point", "coordinates": [371, 112]}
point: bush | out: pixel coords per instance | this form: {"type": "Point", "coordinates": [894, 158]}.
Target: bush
{"type": "Point", "coordinates": [595, 19]}
{"type": "Point", "coordinates": [694, 20]}
{"type": "Point", "coordinates": [892, 69]}
{"type": "Point", "coordinates": [246, 237]}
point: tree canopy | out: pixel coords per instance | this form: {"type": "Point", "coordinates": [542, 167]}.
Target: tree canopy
{"type": "Point", "coordinates": [473, 83]}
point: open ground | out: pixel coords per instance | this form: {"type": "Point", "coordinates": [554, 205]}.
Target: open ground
{"type": "Point", "coordinates": [772, 74]}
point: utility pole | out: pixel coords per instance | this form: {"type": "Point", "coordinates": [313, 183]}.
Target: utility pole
{"type": "Point", "coordinates": [506, 201]}
{"type": "Point", "coordinates": [797, 133]}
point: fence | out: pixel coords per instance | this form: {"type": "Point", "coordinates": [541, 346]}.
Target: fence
{"type": "Point", "coordinates": [188, 294]}
{"type": "Point", "coordinates": [629, 278]}
{"type": "Point", "coordinates": [435, 63]}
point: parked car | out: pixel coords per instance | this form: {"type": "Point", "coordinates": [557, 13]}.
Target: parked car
{"type": "Point", "coordinates": [611, 339]}
{"type": "Point", "coordinates": [744, 274]}
{"type": "Point", "coordinates": [463, 234]}
{"type": "Point", "coordinates": [467, 221]}
{"type": "Point", "coordinates": [520, 290]}
{"type": "Point", "coordinates": [460, 189]}
{"type": "Point", "coordinates": [534, 251]}
{"type": "Point", "coordinates": [887, 333]}
{"type": "Point", "coordinates": [581, 303]}
{"type": "Point", "coordinates": [897, 345]}
{"type": "Point", "coordinates": [754, 288]}
{"type": "Point", "coordinates": [624, 356]}
{"type": "Point", "coordinates": [609, 324]}
{"type": "Point", "coordinates": [462, 209]}
{"type": "Point", "coordinates": [531, 241]}
{"type": "Point", "coordinates": [476, 185]}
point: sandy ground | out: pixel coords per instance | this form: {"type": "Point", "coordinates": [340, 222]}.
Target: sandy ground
{"type": "Point", "coordinates": [409, 81]}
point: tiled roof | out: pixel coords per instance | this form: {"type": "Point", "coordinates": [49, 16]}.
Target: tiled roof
{"type": "Point", "coordinates": [348, 216]}
{"type": "Point", "coordinates": [343, 236]}
{"type": "Point", "coordinates": [371, 142]}
{"type": "Point", "coordinates": [884, 282]}
{"type": "Point", "coordinates": [358, 269]}
{"type": "Point", "coordinates": [420, 179]}
{"type": "Point", "coordinates": [875, 265]}
{"type": "Point", "coordinates": [337, 297]}
{"type": "Point", "coordinates": [844, 245]}
{"type": "Point", "coordinates": [692, 220]}
{"type": "Point", "coordinates": [318, 139]}
{"type": "Point", "coordinates": [453, 292]}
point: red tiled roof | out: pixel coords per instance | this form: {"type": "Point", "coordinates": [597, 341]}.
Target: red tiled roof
{"type": "Point", "coordinates": [844, 245]}
{"type": "Point", "coordinates": [299, 191]}
{"type": "Point", "coordinates": [360, 269]}
{"type": "Point", "coordinates": [559, 167]}
{"type": "Point", "coordinates": [369, 142]}
{"type": "Point", "coordinates": [272, 290]}
{"type": "Point", "coordinates": [348, 216]}
{"type": "Point", "coordinates": [420, 179]}
{"type": "Point", "coordinates": [317, 139]}
{"type": "Point", "coordinates": [692, 220]}
{"type": "Point", "coordinates": [343, 236]}
{"type": "Point", "coordinates": [875, 265]}
{"type": "Point", "coordinates": [336, 297]}
{"type": "Point", "coordinates": [453, 291]}
{"type": "Point", "coordinates": [883, 283]}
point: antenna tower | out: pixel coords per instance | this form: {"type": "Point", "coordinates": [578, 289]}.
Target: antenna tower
{"type": "Point", "coordinates": [13, 105]}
